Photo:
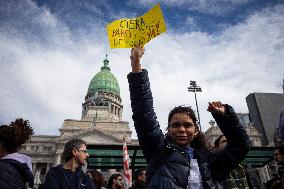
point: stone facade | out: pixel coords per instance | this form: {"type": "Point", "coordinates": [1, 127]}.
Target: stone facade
{"type": "Point", "coordinates": [101, 123]}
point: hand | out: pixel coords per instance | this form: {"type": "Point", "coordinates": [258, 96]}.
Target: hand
{"type": "Point", "coordinates": [136, 54]}
{"type": "Point", "coordinates": [216, 108]}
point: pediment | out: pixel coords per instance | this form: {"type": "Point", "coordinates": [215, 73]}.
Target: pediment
{"type": "Point", "coordinates": [94, 136]}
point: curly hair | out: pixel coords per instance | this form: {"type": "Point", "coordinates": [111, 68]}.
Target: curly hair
{"type": "Point", "coordinates": [13, 136]}
{"type": "Point", "coordinates": [198, 140]}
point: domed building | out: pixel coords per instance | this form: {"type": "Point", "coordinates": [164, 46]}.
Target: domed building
{"type": "Point", "coordinates": [103, 102]}
{"type": "Point", "coordinates": [100, 124]}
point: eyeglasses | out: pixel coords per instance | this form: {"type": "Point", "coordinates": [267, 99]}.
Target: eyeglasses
{"type": "Point", "coordinates": [84, 151]}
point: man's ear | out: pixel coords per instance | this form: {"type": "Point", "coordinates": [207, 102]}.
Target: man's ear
{"type": "Point", "coordinates": [74, 152]}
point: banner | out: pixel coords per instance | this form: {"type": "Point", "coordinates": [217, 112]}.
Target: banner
{"type": "Point", "coordinates": [126, 33]}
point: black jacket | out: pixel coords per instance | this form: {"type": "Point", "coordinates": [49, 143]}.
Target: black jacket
{"type": "Point", "coordinates": [167, 164]}
{"type": "Point", "coordinates": [138, 185]}
{"type": "Point", "coordinates": [57, 178]}
{"type": "Point", "coordinates": [14, 175]}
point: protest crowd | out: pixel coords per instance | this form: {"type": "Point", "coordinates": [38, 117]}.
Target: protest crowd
{"type": "Point", "coordinates": [177, 159]}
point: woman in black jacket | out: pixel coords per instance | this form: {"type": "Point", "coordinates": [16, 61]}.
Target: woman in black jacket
{"type": "Point", "coordinates": [179, 159]}
{"type": "Point", "coordinates": [15, 168]}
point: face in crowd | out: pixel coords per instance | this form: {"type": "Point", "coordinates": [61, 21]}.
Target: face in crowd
{"type": "Point", "coordinates": [222, 142]}
{"type": "Point", "coordinates": [142, 176]}
{"type": "Point", "coordinates": [278, 157]}
{"type": "Point", "coordinates": [118, 182]}
{"type": "Point", "coordinates": [81, 154]}
{"type": "Point", "coordinates": [182, 129]}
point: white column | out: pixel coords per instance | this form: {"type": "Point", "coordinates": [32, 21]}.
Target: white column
{"type": "Point", "coordinates": [47, 167]}
{"type": "Point", "coordinates": [58, 159]}
{"type": "Point", "coordinates": [34, 168]}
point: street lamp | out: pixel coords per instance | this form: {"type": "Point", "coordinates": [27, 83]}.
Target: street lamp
{"type": "Point", "coordinates": [195, 88]}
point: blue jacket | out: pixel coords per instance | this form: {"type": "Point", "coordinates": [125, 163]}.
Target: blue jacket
{"type": "Point", "coordinates": [168, 166]}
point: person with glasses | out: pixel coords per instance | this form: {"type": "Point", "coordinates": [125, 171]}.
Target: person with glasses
{"type": "Point", "coordinates": [70, 175]}
{"type": "Point", "coordinates": [179, 159]}
{"type": "Point", "coordinates": [115, 181]}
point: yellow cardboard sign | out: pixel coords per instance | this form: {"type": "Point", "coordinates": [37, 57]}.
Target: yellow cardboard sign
{"type": "Point", "coordinates": [126, 33]}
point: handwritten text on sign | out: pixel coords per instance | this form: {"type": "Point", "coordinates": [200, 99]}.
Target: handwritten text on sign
{"type": "Point", "coordinates": [125, 33]}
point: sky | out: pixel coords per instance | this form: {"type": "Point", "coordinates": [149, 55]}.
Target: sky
{"type": "Point", "coordinates": [50, 50]}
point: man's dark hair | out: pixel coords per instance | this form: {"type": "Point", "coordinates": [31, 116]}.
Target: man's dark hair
{"type": "Point", "coordinates": [70, 146]}
{"type": "Point", "coordinates": [110, 180]}
{"type": "Point", "coordinates": [280, 148]}
{"type": "Point", "coordinates": [217, 141]}
{"type": "Point", "coordinates": [13, 136]}
{"type": "Point", "coordinates": [198, 140]}
{"type": "Point", "coordinates": [98, 178]}
{"type": "Point", "coordinates": [138, 172]}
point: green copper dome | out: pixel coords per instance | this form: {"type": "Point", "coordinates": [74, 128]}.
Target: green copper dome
{"type": "Point", "coordinates": [104, 81]}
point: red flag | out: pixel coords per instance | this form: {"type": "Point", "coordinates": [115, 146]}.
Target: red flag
{"type": "Point", "coordinates": [126, 161]}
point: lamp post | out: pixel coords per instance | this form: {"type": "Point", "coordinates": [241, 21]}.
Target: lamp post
{"type": "Point", "coordinates": [195, 88]}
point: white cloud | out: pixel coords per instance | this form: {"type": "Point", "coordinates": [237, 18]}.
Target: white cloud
{"type": "Point", "coordinates": [48, 83]}
{"type": "Point", "coordinates": [207, 7]}
{"type": "Point", "coordinates": [190, 21]}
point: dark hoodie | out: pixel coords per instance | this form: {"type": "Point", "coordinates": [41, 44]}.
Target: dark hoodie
{"type": "Point", "coordinates": [15, 172]}
{"type": "Point", "coordinates": [60, 178]}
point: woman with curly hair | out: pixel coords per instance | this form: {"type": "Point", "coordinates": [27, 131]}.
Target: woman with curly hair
{"type": "Point", "coordinates": [15, 168]}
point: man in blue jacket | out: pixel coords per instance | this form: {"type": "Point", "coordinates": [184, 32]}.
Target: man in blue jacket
{"type": "Point", "coordinates": [69, 175]}
{"type": "Point", "coordinates": [179, 159]}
